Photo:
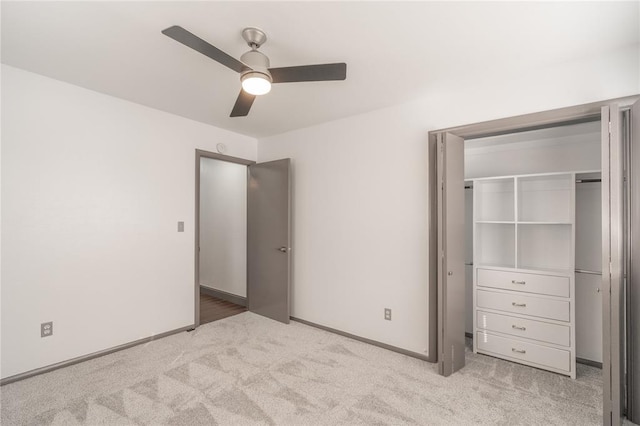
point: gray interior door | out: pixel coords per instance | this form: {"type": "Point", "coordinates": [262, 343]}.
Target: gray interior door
{"type": "Point", "coordinates": [268, 239]}
{"type": "Point", "coordinates": [451, 250]}
{"type": "Point", "coordinates": [613, 265]}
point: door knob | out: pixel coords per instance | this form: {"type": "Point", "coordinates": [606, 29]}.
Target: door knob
{"type": "Point", "coordinates": [283, 249]}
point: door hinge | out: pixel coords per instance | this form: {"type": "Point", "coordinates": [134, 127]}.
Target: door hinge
{"type": "Point", "coordinates": [609, 127]}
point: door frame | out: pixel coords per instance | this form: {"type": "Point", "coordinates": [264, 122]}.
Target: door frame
{"type": "Point", "coordinates": [568, 115]}
{"type": "Point", "coordinates": [214, 156]}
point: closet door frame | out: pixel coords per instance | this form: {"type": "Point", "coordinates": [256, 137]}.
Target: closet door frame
{"type": "Point", "coordinates": [570, 115]}
{"type": "Point", "coordinates": [613, 264]}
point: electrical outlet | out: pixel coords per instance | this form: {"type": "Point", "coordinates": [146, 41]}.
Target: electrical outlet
{"type": "Point", "coordinates": [387, 314]}
{"type": "Point", "coordinates": [46, 329]}
{"type": "Point", "coordinates": [180, 226]}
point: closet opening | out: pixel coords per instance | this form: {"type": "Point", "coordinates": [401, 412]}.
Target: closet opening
{"type": "Point", "coordinates": [533, 248]}
{"type": "Point", "coordinates": [528, 247]}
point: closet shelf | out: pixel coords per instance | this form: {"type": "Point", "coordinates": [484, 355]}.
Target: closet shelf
{"type": "Point", "coordinates": [507, 222]}
{"type": "Point", "coordinates": [520, 222]}
{"type": "Point", "coordinates": [524, 269]}
{"type": "Point", "coordinates": [588, 272]}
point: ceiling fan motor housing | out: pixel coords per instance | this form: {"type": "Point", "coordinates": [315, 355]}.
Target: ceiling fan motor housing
{"type": "Point", "coordinates": [258, 63]}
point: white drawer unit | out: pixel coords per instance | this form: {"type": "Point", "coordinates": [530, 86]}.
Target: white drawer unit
{"type": "Point", "coordinates": [535, 329]}
{"type": "Point", "coordinates": [519, 303]}
{"type": "Point", "coordinates": [530, 283]}
{"type": "Point", "coordinates": [529, 352]}
{"type": "Point", "coordinates": [522, 327]}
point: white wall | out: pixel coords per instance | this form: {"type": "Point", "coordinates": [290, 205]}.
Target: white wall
{"type": "Point", "coordinates": [360, 192]}
{"type": "Point", "coordinates": [558, 149]}
{"type": "Point", "coordinates": [92, 190]}
{"type": "Point", "coordinates": [360, 228]}
{"type": "Point", "coordinates": [223, 226]}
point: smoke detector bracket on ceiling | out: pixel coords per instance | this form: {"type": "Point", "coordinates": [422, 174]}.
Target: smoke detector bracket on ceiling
{"type": "Point", "coordinates": [254, 37]}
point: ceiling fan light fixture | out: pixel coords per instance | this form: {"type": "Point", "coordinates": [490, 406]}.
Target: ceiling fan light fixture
{"type": "Point", "coordinates": [256, 74]}
{"type": "Point", "coordinates": [256, 83]}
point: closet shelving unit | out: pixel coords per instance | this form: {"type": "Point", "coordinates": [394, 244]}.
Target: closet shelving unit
{"type": "Point", "coordinates": [524, 269]}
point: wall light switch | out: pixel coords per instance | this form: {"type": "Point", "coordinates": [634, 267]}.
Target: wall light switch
{"type": "Point", "coordinates": [180, 226]}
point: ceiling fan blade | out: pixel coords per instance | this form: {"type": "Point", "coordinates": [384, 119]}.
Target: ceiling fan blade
{"type": "Point", "coordinates": [183, 36]}
{"type": "Point", "coordinates": [324, 72]}
{"type": "Point", "coordinates": [243, 104]}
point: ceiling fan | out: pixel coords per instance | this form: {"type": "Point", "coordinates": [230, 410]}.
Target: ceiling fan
{"type": "Point", "coordinates": [255, 75]}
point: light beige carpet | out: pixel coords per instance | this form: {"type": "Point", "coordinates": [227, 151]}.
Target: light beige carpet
{"type": "Point", "coordinates": [247, 370]}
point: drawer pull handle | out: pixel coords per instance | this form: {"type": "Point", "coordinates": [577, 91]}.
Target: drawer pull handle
{"type": "Point", "coordinates": [515, 327]}
{"type": "Point", "coordinates": [519, 305]}
{"type": "Point", "coordinates": [518, 282]}
{"type": "Point", "coordinates": [519, 351]}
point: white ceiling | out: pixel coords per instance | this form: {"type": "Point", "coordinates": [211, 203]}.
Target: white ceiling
{"type": "Point", "coordinates": [394, 51]}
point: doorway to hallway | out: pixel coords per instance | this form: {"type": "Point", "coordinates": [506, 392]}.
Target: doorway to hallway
{"type": "Point", "coordinates": [213, 308]}
{"type": "Point", "coordinates": [242, 237]}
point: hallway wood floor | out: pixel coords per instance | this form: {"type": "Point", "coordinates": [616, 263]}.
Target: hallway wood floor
{"type": "Point", "coordinates": [213, 309]}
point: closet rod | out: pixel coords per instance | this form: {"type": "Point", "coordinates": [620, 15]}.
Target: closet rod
{"type": "Point", "coordinates": [594, 180]}
{"type": "Point", "coordinates": [584, 271]}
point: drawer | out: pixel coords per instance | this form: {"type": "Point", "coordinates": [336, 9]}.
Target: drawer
{"type": "Point", "coordinates": [521, 304]}
{"type": "Point", "coordinates": [530, 329]}
{"type": "Point", "coordinates": [519, 281]}
{"type": "Point", "coordinates": [524, 351]}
